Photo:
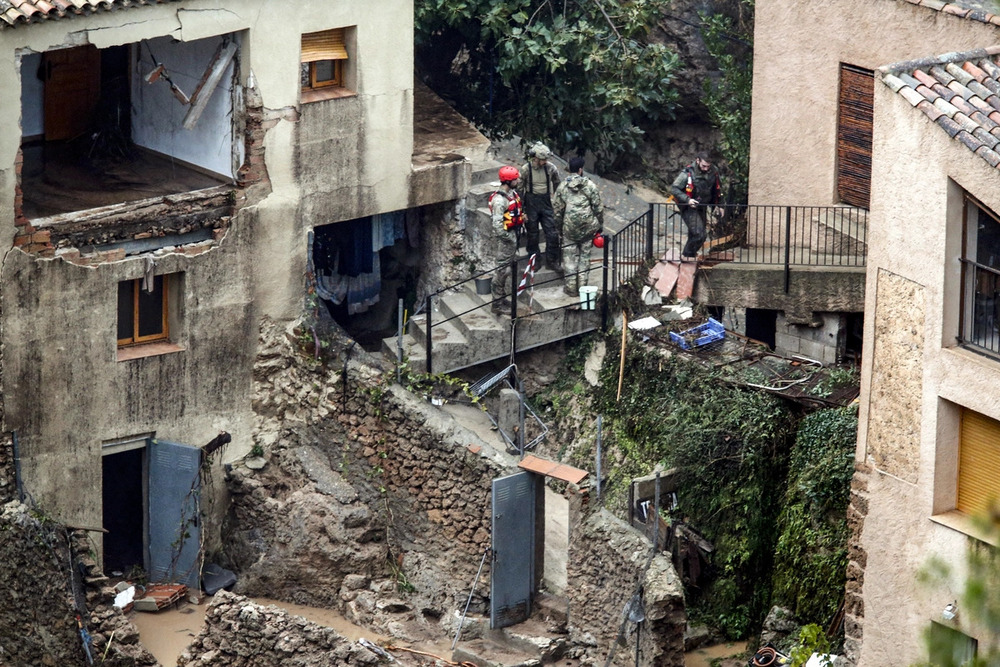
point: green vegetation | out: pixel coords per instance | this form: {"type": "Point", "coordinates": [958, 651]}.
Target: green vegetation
{"type": "Point", "coordinates": [811, 552]}
{"type": "Point", "coordinates": [578, 75]}
{"type": "Point", "coordinates": [728, 98]}
{"type": "Point", "coordinates": [765, 484]}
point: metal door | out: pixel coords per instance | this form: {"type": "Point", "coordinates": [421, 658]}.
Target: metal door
{"type": "Point", "coordinates": [512, 573]}
{"type": "Point", "coordinates": [174, 521]}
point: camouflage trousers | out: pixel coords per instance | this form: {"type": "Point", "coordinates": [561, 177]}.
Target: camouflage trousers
{"type": "Point", "coordinates": [576, 265]}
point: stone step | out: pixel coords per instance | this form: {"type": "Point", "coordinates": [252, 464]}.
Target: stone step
{"type": "Point", "coordinates": [479, 195]}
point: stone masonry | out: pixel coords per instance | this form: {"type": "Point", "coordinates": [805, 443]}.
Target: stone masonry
{"type": "Point", "coordinates": [240, 633]}
{"type": "Point", "coordinates": [608, 560]}
{"type": "Point", "coordinates": [857, 557]}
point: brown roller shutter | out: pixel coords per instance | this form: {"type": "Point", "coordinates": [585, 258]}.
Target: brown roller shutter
{"type": "Point", "coordinates": [854, 135]}
{"type": "Point", "coordinates": [326, 45]}
{"type": "Point", "coordinates": [978, 463]}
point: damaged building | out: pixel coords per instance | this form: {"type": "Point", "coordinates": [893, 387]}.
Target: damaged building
{"type": "Point", "coordinates": [172, 162]}
{"type": "Point", "coordinates": [186, 178]}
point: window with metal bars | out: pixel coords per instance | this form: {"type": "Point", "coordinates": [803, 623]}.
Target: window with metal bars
{"type": "Point", "coordinates": [980, 303]}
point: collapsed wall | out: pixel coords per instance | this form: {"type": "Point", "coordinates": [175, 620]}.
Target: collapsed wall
{"type": "Point", "coordinates": [240, 633]}
{"type": "Point", "coordinates": [374, 502]}
{"type": "Point", "coordinates": [52, 601]}
{"type": "Point", "coordinates": [368, 492]}
{"type": "Point", "coordinates": [609, 562]}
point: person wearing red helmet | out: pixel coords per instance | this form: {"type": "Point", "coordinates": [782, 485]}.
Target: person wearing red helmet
{"type": "Point", "coordinates": [507, 216]}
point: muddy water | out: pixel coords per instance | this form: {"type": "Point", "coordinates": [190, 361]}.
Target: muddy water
{"type": "Point", "coordinates": [703, 657]}
{"type": "Point", "coordinates": [167, 633]}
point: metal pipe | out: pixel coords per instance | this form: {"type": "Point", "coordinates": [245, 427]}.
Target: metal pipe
{"type": "Point", "coordinates": [427, 341]}
{"type": "Point", "coordinates": [604, 278]}
{"type": "Point", "coordinates": [656, 514]}
{"type": "Point", "coordinates": [788, 245]}
{"type": "Point", "coordinates": [18, 482]}
{"type": "Point", "coordinates": [399, 343]}
{"type": "Point", "coordinates": [649, 233]}
{"type": "Point", "coordinates": [520, 416]}
{"type": "Point", "coordinates": [469, 601]}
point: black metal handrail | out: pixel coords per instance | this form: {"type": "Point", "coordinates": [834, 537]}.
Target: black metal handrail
{"type": "Point", "coordinates": [785, 236]}
{"type": "Point", "coordinates": [515, 275]}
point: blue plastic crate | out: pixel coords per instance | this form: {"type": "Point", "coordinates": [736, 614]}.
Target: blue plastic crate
{"type": "Point", "coordinates": [701, 335]}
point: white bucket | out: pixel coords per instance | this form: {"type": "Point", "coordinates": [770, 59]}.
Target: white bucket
{"type": "Point", "coordinates": [588, 297]}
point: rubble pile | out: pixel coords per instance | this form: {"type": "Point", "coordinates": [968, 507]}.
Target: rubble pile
{"type": "Point", "coordinates": [239, 633]}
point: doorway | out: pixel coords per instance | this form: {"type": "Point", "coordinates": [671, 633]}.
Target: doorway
{"type": "Point", "coordinates": [124, 509]}
{"type": "Point", "coordinates": [761, 325]}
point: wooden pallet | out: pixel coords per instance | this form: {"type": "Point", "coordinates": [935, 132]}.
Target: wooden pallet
{"type": "Point", "coordinates": [160, 596]}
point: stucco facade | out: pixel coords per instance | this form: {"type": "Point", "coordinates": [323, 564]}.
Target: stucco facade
{"type": "Point", "coordinates": [235, 253]}
{"type": "Point", "coordinates": [916, 378]}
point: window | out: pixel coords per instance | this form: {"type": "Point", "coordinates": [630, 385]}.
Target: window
{"type": "Point", "coordinates": [980, 278]}
{"type": "Point", "coordinates": [855, 111]}
{"type": "Point", "coordinates": [142, 315]}
{"type": "Point", "coordinates": [978, 463]}
{"type": "Point", "coordinates": [950, 647]}
{"type": "Point", "coordinates": [324, 59]}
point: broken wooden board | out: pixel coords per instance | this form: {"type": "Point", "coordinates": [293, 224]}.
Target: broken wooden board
{"type": "Point", "coordinates": [685, 281]}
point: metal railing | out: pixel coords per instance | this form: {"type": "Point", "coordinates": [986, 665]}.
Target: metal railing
{"type": "Point", "coordinates": [771, 235]}
{"type": "Point", "coordinates": [786, 236]}
{"type": "Point", "coordinates": [514, 277]}
{"type": "Point", "coordinates": [979, 329]}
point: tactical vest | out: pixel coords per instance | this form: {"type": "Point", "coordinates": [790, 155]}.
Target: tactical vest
{"type": "Point", "coordinates": [514, 215]}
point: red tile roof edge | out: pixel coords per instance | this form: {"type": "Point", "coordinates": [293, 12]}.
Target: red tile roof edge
{"type": "Point", "coordinates": [22, 12]}
{"type": "Point", "coordinates": [957, 9]}
{"type": "Point", "coordinates": [959, 107]}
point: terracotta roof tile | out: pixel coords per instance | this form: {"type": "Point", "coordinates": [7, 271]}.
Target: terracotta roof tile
{"type": "Point", "coordinates": [960, 92]}
{"type": "Point", "coordinates": [16, 12]}
{"type": "Point", "coordinates": [924, 78]}
{"type": "Point", "coordinates": [989, 155]}
{"type": "Point", "coordinates": [941, 75]}
{"type": "Point", "coordinates": [970, 10]}
{"type": "Point", "coordinates": [991, 69]}
{"type": "Point", "coordinates": [986, 138]}
{"type": "Point", "coordinates": [949, 126]}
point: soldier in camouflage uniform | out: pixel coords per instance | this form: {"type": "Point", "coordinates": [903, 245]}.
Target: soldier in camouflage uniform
{"type": "Point", "coordinates": [578, 212]}
{"type": "Point", "coordinates": [507, 221]}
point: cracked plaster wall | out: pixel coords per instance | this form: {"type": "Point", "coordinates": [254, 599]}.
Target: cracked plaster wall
{"type": "Point", "coordinates": [65, 392]}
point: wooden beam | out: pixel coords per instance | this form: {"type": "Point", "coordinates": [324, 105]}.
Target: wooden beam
{"type": "Point", "coordinates": [209, 81]}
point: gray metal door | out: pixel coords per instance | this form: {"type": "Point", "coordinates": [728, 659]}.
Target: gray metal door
{"type": "Point", "coordinates": [174, 523]}
{"type": "Point", "coordinates": [513, 549]}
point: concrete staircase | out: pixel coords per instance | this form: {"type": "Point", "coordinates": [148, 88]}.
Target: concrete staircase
{"type": "Point", "coordinates": [465, 332]}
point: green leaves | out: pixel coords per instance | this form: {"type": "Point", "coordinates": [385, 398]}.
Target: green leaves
{"type": "Point", "coordinates": [580, 75]}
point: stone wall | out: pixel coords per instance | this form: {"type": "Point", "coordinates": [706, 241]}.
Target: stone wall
{"type": "Point", "coordinates": [48, 581]}
{"type": "Point", "coordinates": [607, 562]}
{"type": "Point", "coordinates": [239, 633]}
{"type": "Point", "coordinates": [386, 494]}
{"type": "Point", "coordinates": [857, 559]}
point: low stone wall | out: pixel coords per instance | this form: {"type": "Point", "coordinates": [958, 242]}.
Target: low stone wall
{"type": "Point", "coordinates": [239, 633]}
{"type": "Point", "coordinates": [857, 559]}
{"type": "Point", "coordinates": [607, 562]}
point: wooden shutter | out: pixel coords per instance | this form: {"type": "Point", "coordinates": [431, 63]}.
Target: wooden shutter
{"type": "Point", "coordinates": [326, 45]}
{"type": "Point", "coordinates": [854, 135]}
{"type": "Point", "coordinates": [978, 463]}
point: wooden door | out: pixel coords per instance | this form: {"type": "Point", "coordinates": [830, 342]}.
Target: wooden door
{"type": "Point", "coordinates": [72, 89]}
